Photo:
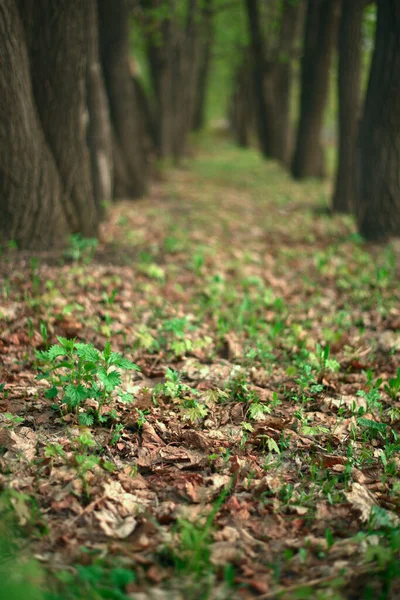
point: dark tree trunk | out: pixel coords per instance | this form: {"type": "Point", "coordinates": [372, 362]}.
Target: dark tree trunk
{"type": "Point", "coordinates": [273, 76]}
{"type": "Point", "coordinates": [349, 88]}
{"type": "Point", "coordinates": [57, 34]}
{"type": "Point", "coordinates": [265, 130]}
{"type": "Point", "coordinates": [207, 36]}
{"type": "Point", "coordinates": [319, 41]}
{"type": "Point", "coordinates": [242, 110]}
{"type": "Point", "coordinates": [173, 57]}
{"type": "Point", "coordinates": [128, 141]}
{"type": "Point", "coordinates": [99, 129]}
{"type": "Point", "coordinates": [378, 177]}
{"type": "Point", "coordinates": [31, 197]}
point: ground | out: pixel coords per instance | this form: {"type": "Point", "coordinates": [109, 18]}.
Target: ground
{"type": "Point", "coordinates": [226, 422]}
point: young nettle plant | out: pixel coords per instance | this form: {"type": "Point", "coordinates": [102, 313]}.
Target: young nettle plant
{"type": "Point", "coordinates": [79, 373]}
{"type": "Point", "coordinates": [175, 389]}
{"type": "Point", "coordinates": [392, 388]}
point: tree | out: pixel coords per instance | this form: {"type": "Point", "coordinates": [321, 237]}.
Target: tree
{"type": "Point", "coordinates": [273, 71]}
{"type": "Point", "coordinates": [378, 168]}
{"type": "Point", "coordinates": [45, 179]}
{"type": "Point", "coordinates": [129, 152]}
{"type": "Point", "coordinates": [319, 40]}
{"type": "Point", "coordinates": [171, 38]}
{"type": "Point", "coordinates": [99, 128]}
{"type": "Point", "coordinates": [349, 91]}
{"type": "Point", "coordinates": [205, 51]}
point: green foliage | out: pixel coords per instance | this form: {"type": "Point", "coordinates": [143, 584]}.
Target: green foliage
{"type": "Point", "coordinates": [79, 372]}
{"type": "Point", "coordinates": [81, 249]}
{"type": "Point", "coordinates": [392, 388]}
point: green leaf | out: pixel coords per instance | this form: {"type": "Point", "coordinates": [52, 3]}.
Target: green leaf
{"type": "Point", "coordinates": [51, 393]}
{"type": "Point", "coordinates": [2, 386]}
{"type": "Point", "coordinates": [107, 351]}
{"type": "Point", "coordinates": [55, 351]}
{"type": "Point", "coordinates": [120, 361]}
{"type": "Point", "coordinates": [86, 419]}
{"type": "Point", "coordinates": [67, 344]}
{"type": "Point", "coordinates": [76, 394]}
{"type": "Point", "coordinates": [127, 398]}
{"type": "Point", "coordinates": [110, 380]}
{"type": "Point", "coordinates": [88, 352]}
{"type": "Point", "coordinates": [381, 427]}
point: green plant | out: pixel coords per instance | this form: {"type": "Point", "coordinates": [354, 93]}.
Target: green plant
{"type": "Point", "coordinates": [192, 553]}
{"type": "Point", "coordinates": [392, 388]}
{"type": "Point", "coordinates": [81, 249]}
{"type": "Point", "coordinates": [79, 373]}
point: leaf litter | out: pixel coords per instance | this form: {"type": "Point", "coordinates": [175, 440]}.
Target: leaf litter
{"type": "Point", "coordinates": [259, 457]}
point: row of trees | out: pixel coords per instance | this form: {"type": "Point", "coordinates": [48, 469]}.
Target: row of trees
{"type": "Point", "coordinates": [77, 126]}
{"type": "Point", "coordinates": [367, 177]}
{"type": "Point", "coordinates": [91, 92]}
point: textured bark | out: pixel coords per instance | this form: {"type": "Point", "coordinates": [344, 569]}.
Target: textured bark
{"type": "Point", "coordinates": [129, 145]}
{"type": "Point", "coordinates": [378, 185]}
{"type": "Point", "coordinates": [242, 118]}
{"type": "Point", "coordinates": [273, 76]}
{"type": "Point", "coordinates": [320, 33]}
{"type": "Point", "coordinates": [349, 88]}
{"type": "Point", "coordinates": [265, 128]}
{"type": "Point", "coordinates": [58, 52]}
{"type": "Point", "coordinates": [30, 187]}
{"type": "Point", "coordinates": [173, 56]}
{"type": "Point", "coordinates": [205, 51]}
{"type": "Point", "coordinates": [99, 128]}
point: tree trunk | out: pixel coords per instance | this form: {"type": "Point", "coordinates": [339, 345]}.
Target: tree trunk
{"type": "Point", "coordinates": [349, 88]}
{"type": "Point", "coordinates": [99, 129]}
{"type": "Point", "coordinates": [58, 52]}
{"type": "Point", "coordinates": [173, 56]}
{"type": "Point", "coordinates": [378, 176]}
{"type": "Point", "coordinates": [241, 111]}
{"type": "Point", "coordinates": [129, 148]}
{"type": "Point", "coordinates": [320, 33]}
{"type": "Point", "coordinates": [273, 76]}
{"type": "Point", "coordinates": [207, 36]}
{"type": "Point", "coordinates": [265, 124]}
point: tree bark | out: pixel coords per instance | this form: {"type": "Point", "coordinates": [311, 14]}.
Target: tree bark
{"type": "Point", "coordinates": [378, 169]}
{"type": "Point", "coordinates": [265, 128]}
{"type": "Point", "coordinates": [129, 146]}
{"type": "Point", "coordinates": [273, 76]}
{"type": "Point", "coordinates": [58, 53]}
{"type": "Point", "coordinates": [320, 32]}
{"type": "Point", "coordinates": [206, 42]}
{"type": "Point", "coordinates": [349, 88]}
{"type": "Point", "coordinates": [172, 44]}
{"type": "Point", "coordinates": [31, 195]}
{"type": "Point", "coordinates": [242, 119]}
{"type": "Point", "coordinates": [99, 129]}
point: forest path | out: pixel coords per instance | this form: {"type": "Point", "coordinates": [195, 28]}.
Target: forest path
{"type": "Point", "coordinates": [261, 326]}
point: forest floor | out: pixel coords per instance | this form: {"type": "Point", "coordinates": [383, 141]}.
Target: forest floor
{"type": "Point", "coordinates": [256, 451]}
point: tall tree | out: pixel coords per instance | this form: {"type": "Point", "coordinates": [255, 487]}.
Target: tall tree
{"type": "Point", "coordinates": [206, 36]}
{"type": "Point", "coordinates": [99, 127]}
{"type": "Point", "coordinates": [128, 134]}
{"type": "Point", "coordinates": [272, 71]}
{"type": "Point", "coordinates": [172, 46]}
{"type": "Point", "coordinates": [45, 180]}
{"type": "Point", "coordinates": [319, 40]}
{"type": "Point", "coordinates": [57, 38]}
{"type": "Point", "coordinates": [349, 88]}
{"type": "Point", "coordinates": [378, 168]}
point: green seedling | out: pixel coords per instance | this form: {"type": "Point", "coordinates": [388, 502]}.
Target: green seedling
{"type": "Point", "coordinates": [79, 373]}
{"type": "Point", "coordinates": [81, 249]}
{"type": "Point", "coordinates": [392, 388]}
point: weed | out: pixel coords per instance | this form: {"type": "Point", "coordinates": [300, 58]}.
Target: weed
{"type": "Point", "coordinates": [79, 373]}
{"type": "Point", "coordinates": [81, 249]}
